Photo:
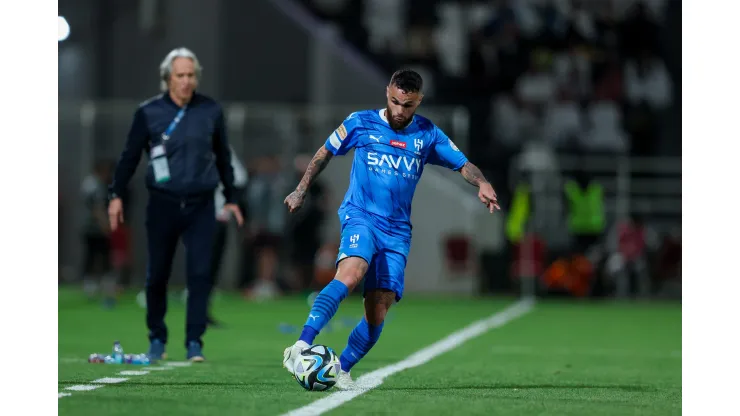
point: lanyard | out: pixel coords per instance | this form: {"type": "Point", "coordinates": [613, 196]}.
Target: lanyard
{"type": "Point", "coordinates": [173, 124]}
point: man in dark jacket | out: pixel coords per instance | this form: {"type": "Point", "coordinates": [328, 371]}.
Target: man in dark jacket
{"type": "Point", "coordinates": [184, 136]}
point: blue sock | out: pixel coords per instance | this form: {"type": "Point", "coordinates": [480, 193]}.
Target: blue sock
{"type": "Point", "coordinates": [360, 341]}
{"type": "Point", "coordinates": [323, 309]}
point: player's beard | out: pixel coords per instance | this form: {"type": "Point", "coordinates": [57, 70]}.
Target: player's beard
{"type": "Point", "coordinates": [396, 124]}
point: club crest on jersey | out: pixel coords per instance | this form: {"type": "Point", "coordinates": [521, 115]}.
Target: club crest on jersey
{"type": "Point", "coordinates": [452, 145]}
{"type": "Point", "coordinates": [418, 144]}
{"type": "Point", "coordinates": [396, 143]}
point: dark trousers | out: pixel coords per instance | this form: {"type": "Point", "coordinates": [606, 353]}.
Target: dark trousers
{"type": "Point", "coordinates": [168, 220]}
{"type": "Point", "coordinates": [219, 245]}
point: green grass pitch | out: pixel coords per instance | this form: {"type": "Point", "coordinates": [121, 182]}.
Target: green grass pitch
{"type": "Point", "coordinates": [562, 358]}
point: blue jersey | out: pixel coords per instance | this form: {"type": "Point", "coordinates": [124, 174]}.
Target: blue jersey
{"type": "Point", "coordinates": [388, 164]}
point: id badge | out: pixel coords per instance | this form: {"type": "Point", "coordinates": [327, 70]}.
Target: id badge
{"type": "Point", "coordinates": [160, 165]}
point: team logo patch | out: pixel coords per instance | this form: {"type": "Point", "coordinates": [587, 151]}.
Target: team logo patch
{"type": "Point", "coordinates": [452, 145]}
{"type": "Point", "coordinates": [396, 143]}
{"type": "Point", "coordinates": [341, 131]}
{"type": "Point", "coordinates": [354, 239]}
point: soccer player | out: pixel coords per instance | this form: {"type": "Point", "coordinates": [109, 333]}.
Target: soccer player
{"type": "Point", "coordinates": [392, 145]}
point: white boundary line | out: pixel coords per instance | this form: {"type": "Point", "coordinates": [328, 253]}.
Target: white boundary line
{"type": "Point", "coordinates": [101, 382]}
{"type": "Point", "coordinates": [593, 352]}
{"type": "Point", "coordinates": [375, 378]}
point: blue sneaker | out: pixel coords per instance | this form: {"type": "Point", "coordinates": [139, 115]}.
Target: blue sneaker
{"type": "Point", "coordinates": [156, 351]}
{"type": "Point", "coordinates": [195, 352]}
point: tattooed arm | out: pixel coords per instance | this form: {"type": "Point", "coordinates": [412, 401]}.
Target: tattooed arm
{"type": "Point", "coordinates": [317, 164]}
{"type": "Point", "coordinates": [472, 174]}
{"type": "Point", "coordinates": [475, 177]}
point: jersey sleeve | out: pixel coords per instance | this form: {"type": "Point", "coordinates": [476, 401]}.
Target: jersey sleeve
{"type": "Point", "coordinates": [445, 153]}
{"type": "Point", "coordinates": [345, 137]}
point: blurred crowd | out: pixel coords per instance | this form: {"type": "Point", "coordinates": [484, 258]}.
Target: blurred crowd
{"type": "Point", "coordinates": [540, 79]}
{"type": "Point", "coordinates": [588, 74]}
{"type": "Point", "coordinates": [283, 248]}
{"type": "Point", "coordinates": [276, 253]}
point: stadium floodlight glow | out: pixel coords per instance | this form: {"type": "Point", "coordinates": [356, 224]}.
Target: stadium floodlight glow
{"type": "Point", "coordinates": [63, 28]}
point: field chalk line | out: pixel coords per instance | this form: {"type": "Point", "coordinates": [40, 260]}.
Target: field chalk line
{"type": "Point", "coordinates": [371, 380]}
{"type": "Point", "coordinates": [101, 382]}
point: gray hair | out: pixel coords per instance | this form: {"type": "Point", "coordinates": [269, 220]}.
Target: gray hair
{"type": "Point", "coordinates": [165, 68]}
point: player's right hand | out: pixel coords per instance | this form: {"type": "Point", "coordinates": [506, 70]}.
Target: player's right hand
{"type": "Point", "coordinates": [488, 197]}
{"type": "Point", "coordinates": [115, 213]}
{"type": "Point", "coordinates": [294, 201]}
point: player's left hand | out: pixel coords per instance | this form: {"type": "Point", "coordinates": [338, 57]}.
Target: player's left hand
{"type": "Point", "coordinates": [233, 209]}
{"type": "Point", "coordinates": [487, 196]}
{"type": "Point", "coordinates": [294, 201]}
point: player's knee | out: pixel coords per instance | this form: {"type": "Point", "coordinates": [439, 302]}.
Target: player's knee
{"type": "Point", "coordinates": [351, 271]}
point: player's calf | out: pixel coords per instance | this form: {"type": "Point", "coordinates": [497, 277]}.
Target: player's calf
{"type": "Point", "coordinates": [367, 332]}
{"type": "Point", "coordinates": [349, 274]}
{"type": "Point", "coordinates": [377, 302]}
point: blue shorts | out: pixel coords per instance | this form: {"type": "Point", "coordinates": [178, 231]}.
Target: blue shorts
{"type": "Point", "coordinates": [369, 237]}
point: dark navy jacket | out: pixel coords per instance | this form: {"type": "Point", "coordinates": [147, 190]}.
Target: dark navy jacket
{"type": "Point", "coordinates": [197, 151]}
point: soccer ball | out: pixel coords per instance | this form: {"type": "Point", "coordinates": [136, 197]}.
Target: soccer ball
{"type": "Point", "coordinates": [317, 368]}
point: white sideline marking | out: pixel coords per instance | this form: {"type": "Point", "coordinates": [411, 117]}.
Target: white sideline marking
{"type": "Point", "coordinates": [375, 378]}
{"type": "Point", "coordinates": [594, 352]}
{"type": "Point", "coordinates": [133, 373]}
{"type": "Point", "coordinates": [101, 382]}
{"type": "Point", "coordinates": [110, 380]}
{"type": "Point", "coordinates": [83, 387]}
{"type": "Point", "coordinates": [178, 363]}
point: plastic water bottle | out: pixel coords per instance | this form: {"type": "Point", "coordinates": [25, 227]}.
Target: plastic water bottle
{"type": "Point", "coordinates": [141, 359]}
{"type": "Point", "coordinates": [136, 359]}
{"type": "Point", "coordinates": [117, 354]}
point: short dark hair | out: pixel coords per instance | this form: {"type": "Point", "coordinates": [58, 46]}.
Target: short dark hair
{"type": "Point", "coordinates": [407, 80]}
